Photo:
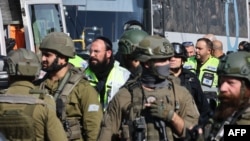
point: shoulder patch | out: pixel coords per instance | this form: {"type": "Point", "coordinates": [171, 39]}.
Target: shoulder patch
{"type": "Point", "coordinates": [93, 108]}
{"type": "Point", "coordinates": [212, 68]}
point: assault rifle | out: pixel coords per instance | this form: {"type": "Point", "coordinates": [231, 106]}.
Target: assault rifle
{"type": "Point", "coordinates": [140, 128]}
{"type": "Point", "coordinates": [162, 128]}
{"type": "Point", "coordinates": [220, 133]}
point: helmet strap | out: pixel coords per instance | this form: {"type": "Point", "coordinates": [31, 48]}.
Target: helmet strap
{"type": "Point", "coordinates": [55, 66]}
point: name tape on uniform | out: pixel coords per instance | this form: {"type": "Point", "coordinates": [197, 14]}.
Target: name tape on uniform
{"type": "Point", "coordinates": [236, 132]}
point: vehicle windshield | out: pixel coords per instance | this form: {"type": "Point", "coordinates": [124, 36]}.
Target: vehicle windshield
{"type": "Point", "coordinates": [89, 22]}
{"type": "Point", "coordinates": [45, 18]}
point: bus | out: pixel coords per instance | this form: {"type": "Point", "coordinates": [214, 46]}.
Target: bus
{"type": "Point", "coordinates": [177, 20]}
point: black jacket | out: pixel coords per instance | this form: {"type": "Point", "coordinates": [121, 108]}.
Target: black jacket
{"type": "Point", "coordinates": [191, 82]}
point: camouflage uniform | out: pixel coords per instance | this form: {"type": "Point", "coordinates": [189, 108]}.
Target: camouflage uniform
{"type": "Point", "coordinates": [82, 104]}
{"type": "Point", "coordinates": [81, 110]}
{"type": "Point", "coordinates": [121, 103]}
{"type": "Point", "coordinates": [229, 70]}
{"type": "Point", "coordinates": [23, 66]}
{"type": "Point", "coordinates": [47, 125]}
{"type": "Point", "coordinates": [212, 129]}
{"type": "Point", "coordinates": [128, 104]}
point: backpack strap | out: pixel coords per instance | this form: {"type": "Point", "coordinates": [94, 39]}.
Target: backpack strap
{"type": "Point", "coordinates": [127, 126]}
{"type": "Point", "coordinates": [61, 101]}
{"type": "Point", "coordinates": [172, 85]}
{"type": "Point", "coordinates": [20, 99]}
{"type": "Point", "coordinates": [71, 126]}
{"type": "Point", "coordinates": [61, 85]}
{"type": "Point", "coordinates": [239, 113]}
{"type": "Point", "coordinates": [74, 80]}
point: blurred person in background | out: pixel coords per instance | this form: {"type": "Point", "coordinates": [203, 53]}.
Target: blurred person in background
{"type": "Point", "coordinates": [244, 46]}
{"type": "Point", "coordinates": [217, 50]}
{"type": "Point", "coordinates": [190, 81]}
{"type": "Point", "coordinates": [210, 36]}
{"type": "Point", "coordinates": [105, 73]}
{"type": "Point", "coordinates": [189, 46]}
{"type": "Point", "coordinates": [126, 45]}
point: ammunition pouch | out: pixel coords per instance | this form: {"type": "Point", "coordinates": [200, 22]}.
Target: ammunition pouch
{"type": "Point", "coordinates": [134, 130]}
{"type": "Point", "coordinates": [139, 123]}
{"type": "Point", "coordinates": [73, 128]}
{"type": "Point", "coordinates": [139, 129]}
{"type": "Point", "coordinates": [126, 132]}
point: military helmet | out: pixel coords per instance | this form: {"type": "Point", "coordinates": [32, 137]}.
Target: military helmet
{"type": "Point", "coordinates": [179, 50]}
{"type": "Point", "coordinates": [129, 39]}
{"type": "Point", "coordinates": [246, 47]}
{"type": "Point", "coordinates": [60, 43]}
{"type": "Point", "coordinates": [22, 62]}
{"type": "Point", "coordinates": [153, 47]}
{"type": "Point", "coordinates": [236, 64]}
{"type": "Point", "coordinates": [133, 24]}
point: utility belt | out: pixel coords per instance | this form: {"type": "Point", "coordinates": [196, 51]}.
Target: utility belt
{"type": "Point", "coordinates": [136, 130]}
{"type": "Point", "coordinates": [73, 128]}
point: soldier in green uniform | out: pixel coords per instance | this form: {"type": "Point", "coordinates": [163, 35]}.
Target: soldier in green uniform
{"type": "Point", "coordinates": [153, 107]}
{"type": "Point", "coordinates": [127, 42]}
{"type": "Point", "coordinates": [234, 96]}
{"type": "Point", "coordinates": [77, 101]}
{"type": "Point", "coordinates": [23, 67]}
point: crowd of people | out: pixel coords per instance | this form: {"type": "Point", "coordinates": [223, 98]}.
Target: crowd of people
{"type": "Point", "coordinates": [151, 89]}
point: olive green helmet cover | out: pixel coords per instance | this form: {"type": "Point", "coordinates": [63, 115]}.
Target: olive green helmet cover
{"type": "Point", "coordinates": [22, 62]}
{"type": "Point", "coordinates": [129, 39]}
{"type": "Point", "coordinates": [153, 47]}
{"type": "Point", "coordinates": [60, 43]}
{"type": "Point", "coordinates": [236, 65]}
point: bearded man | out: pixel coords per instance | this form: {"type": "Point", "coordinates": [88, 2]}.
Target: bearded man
{"type": "Point", "coordinates": [104, 73]}
{"type": "Point", "coordinates": [77, 103]}
{"type": "Point", "coordinates": [234, 96]}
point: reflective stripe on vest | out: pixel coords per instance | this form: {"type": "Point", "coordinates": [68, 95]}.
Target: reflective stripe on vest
{"type": "Point", "coordinates": [78, 62]}
{"type": "Point", "coordinates": [208, 72]}
{"type": "Point", "coordinates": [191, 64]}
{"type": "Point", "coordinates": [116, 78]}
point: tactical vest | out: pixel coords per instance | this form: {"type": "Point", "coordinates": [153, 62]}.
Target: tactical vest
{"type": "Point", "coordinates": [116, 78]}
{"type": "Point", "coordinates": [215, 130]}
{"type": "Point", "coordinates": [138, 122]}
{"type": "Point", "coordinates": [78, 62]}
{"type": "Point", "coordinates": [208, 72]}
{"type": "Point", "coordinates": [71, 125]}
{"type": "Point", "coordinates": [16, 116]}
{"type": "Point", "coordinates": [191, 64]}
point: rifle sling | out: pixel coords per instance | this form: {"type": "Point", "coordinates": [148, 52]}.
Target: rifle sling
{"type": "Point", "coordinates": [67, 87]}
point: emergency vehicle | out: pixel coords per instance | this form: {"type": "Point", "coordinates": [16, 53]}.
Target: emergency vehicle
{"type": "Point", "coordinates": [27, 22]}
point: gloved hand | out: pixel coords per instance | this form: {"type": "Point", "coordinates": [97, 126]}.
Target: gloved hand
{"type": "Point", "coordinates": [194, 134]}
{"type": "Point", "coordinates": [160, 110]}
